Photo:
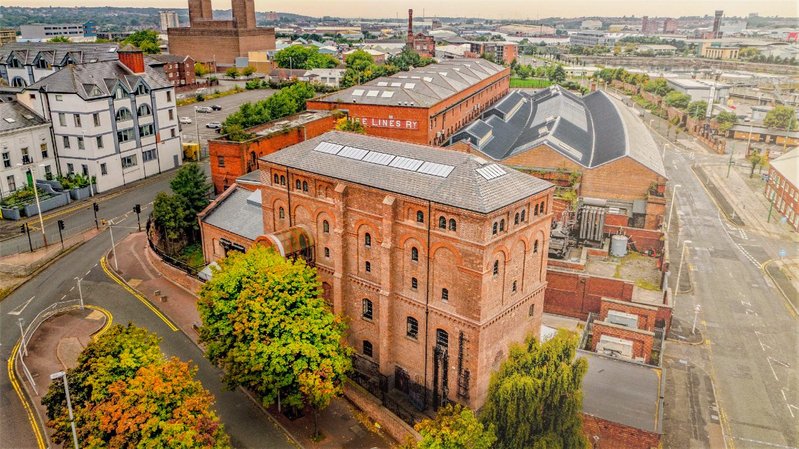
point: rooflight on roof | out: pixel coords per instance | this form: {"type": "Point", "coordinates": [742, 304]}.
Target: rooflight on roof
{"type": "Point", "coordinates": [376, 157]}
{"type": "Point", "coordinates": [372, 93]}
{"type": "Point", "coordinates": [432, 168]}
{"type": "Point", "coordinates": [492, 171]}
{"type": "Point", "coordinates": [410, 85]}
{"type": "Point", "coordinates": [357, 92]}
{"type": "Point", "coordinates": [9, 119]}
{"type": "Point", "coordinates": [396, 84]}
{"type": "Point", "coordinates": [406, 163]}
{"type": "Point", "coordinates": [387, 94]}
{"type": "Point", "coordinates": [428, 79]}
{"type": "Point", "coordinates": [352, 153]}
{"type": "Point", "coordinates": [382, 84]}
{"type": "Point", "coordinates": [329, 148]}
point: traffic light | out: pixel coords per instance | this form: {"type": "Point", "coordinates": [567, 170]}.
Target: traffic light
{"type": "Point", "coordinates": [23, 228]}
{"type": "Point", "coordinates": [96, 206]}
{"type": "Point", "coordinates": [61, 225]}
{"type": "Point", "coordinates": [137, 208]}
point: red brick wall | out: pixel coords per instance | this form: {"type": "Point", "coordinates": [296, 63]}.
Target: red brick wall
{"type": "Point", "coordinates": [643, 239]}
{"type": "Point", "coordinates": [218, 41]}
{"type": "Point", "coordinates": [617, 436]}
{"type": "Point", "coordinates": [642, 340]}
{"type": "Point", "coordinates": [134, 60]}
{"type": "Point", "coordinates": [646, 315]}
{"type": "Point", "coordinates": [389, 422]}
{"type": "Point", "coordinates": [575, 294]}
{"type": "Point", "coordinates": [784, 197]}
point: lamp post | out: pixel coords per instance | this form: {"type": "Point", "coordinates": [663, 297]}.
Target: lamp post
{"type": "Point", "coordinates": [38, 205]}
{"type": "Point", "coordinates": [671, 207]}
{"type": "Point", "coordinates": [63, 375]}
{"type": "Point", "coordinates": [679, 270]}
{"type": "Point", "coordinates": [113, 245]}
{"type": "Point", "coordinates": [196, 126]}
{"type": "Point", "coordinates": [697, 309]}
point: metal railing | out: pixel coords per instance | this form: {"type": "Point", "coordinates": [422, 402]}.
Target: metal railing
{"type": "Point", "coordinates": [169, 260]}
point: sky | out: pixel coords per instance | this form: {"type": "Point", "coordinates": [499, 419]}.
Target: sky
{"type": "Point", "coordinates": [496, 9]}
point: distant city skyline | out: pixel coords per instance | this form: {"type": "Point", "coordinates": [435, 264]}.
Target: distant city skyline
{"type": "Point", "coordinates": [497, 9]}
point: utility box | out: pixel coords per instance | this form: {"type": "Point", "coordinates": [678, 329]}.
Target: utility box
{"type": "Point", "coordinates": [622, 319]}
{"type": "Point", "coordinates": [615, 347]}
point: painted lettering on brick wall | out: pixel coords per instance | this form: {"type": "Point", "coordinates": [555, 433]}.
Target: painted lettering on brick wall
{"type": "Point", "coordinates": [372, 122]}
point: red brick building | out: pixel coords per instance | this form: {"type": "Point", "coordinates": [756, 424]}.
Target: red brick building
{"type": "Point", "coordinates": [782, 189]}
{"type": "Point", "coordinates": [179, 70]}
{"type": "Point", "coordinates": [425, 105]}
{"type": "Point", "coordinates": [436, 258]}
{"type": "Point", "coordinates": [231, 159]}
{"type": "Point", "coordinates": [421, 43]}
{"type": "Point", "coordinates": [502, 52]}
{"type": "Point", "coordinates": [220, 41]}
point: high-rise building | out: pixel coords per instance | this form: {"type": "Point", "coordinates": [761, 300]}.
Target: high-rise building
{"type": "Point", "coordinates": [169, 19]}
{"type": "Point", "coordinates": [670, 25]}
{"type": "Point", "coordinates": [717, 24]}
{"type": "Point", "coordinates": [272, 16]}
{"type": "Point", "coordinates": [649, 26]}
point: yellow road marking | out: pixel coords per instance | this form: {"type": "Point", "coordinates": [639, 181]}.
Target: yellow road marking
{"type": "Point", "coordinates": [138, 295]}
{"type": "Point", "coordinates": [109, 319]}
{"type": "Point", "coordinates": [37, 431]}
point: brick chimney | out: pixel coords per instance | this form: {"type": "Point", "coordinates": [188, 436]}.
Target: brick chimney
{"type": "Point", "coordinates": [132, 57]}
{"type": "Point", "coordinates": [410, 28]}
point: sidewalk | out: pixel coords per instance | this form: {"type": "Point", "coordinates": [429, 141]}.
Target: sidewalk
{"type": "Point", "coordinates": [172, 291]}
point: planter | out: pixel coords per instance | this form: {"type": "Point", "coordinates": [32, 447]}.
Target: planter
{"type": "Point", "coordinates": [11, 213]}
{"type": "Point", "coordinates": [80, 193]}
{"type": "Point", "coordinates": [50, 203]}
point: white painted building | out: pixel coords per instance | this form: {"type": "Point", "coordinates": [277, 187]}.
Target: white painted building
{"type": "Point", "coordinates": [24, 63]}
{"type": "Point", "coordinates": [112, 120]}
{"type": "Point", "coordinates": [24, 142]}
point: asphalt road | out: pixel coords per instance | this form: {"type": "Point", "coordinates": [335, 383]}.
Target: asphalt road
{"type": "Point", "coordinates": [750, 354]}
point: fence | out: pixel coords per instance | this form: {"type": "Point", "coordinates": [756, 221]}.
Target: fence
{"type": "Point", "coordinates": [19, 243]}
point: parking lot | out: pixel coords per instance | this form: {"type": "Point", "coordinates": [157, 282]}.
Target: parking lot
{"type": "Point", "coordinates": [229, 105]}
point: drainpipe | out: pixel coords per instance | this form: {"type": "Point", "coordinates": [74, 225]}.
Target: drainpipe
{"type": "Point", "coordinates": [288, 194]}
{"type": "Point", "coordinates": [427, 300]}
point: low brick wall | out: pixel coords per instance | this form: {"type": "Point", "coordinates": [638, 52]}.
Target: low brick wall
{"type": "Point", "coordinates": [643, 239]}
{"type": "Point", "coordinates": [617, 436]}
{"type": "Point", "coordinates": [390, 423]}
{"type": "Point", "coordinates": [642, 340]}
{"type": "Point", "coordinates": [173, 274]}
{"type": "Point", "coordinates": [576, 294]}
{"type": "Point", "coordinates": [646, 314]}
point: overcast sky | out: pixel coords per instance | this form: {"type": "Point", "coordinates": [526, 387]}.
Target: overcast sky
{"type": "Point", "coordinates": [500, 9]}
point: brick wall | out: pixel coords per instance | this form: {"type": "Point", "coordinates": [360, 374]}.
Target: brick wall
{"type": "Point", "coordinates": [218, 41]}
{"type": "Point", "coordinates": [398, 429]}
{"type": "Point", "coordinates": [576, 294]}
{"type": "Point", "coordinates": [642, 340]}
{"type": "Point", "coordinates": [646, 314]}
{"type": "Point", "coordinates": [643, 240]}
{"type": "Point", "coordinates": [617, 436]}
{"type": "Point", "coordinates": [782, 195]}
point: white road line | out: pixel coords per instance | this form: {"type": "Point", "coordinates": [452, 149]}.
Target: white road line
{"type": "Point", "coordinates": [790, 406]}
{"type": "Point", "coordinates": [764, 443]}
{"type": "Point", "coordinates": [62, 298]}
{"type": "Point", "coordinates": [21, 307]}
{"type": "Point", "coordinates": [87, 273]}
{"type": "Point", "coordinates": [778, 362]}
{"type": "Point", "coordinates": [763, 346]}
{"type": "Point", "coordinates": [73, 288]}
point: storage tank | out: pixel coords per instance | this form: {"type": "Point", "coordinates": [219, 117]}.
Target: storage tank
{"type": "Point", "coordinates": [618, 245]}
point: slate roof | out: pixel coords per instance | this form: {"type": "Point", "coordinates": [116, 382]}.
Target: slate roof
{"type": "Point", "coordinates": [14, 116]}
{"type": "Point", "coordinates": [788, 166]}
{"type": "Point", "coordinates": [238, 212]}
{"type": "Point", "coordinates": [464, 186]}
{"type": "Point", "coordinates": [592, 130]}
{"type": "Point", "coordinates": [418, 87]}
{"type": "Point", "coordinates": [621, 392]}
{"type": "Point", "coordinates": [165, 59]}
{"type": "Point", "coordinates": [55, 53]}
{"type": "Point", "coordinates": [98, 79]}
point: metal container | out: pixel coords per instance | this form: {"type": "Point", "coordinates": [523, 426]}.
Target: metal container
{"type": "Point", "coordinates": [618, 245]}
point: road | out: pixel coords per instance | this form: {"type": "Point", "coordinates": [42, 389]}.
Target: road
{"type": "Point", "coordinates": [749, 358]}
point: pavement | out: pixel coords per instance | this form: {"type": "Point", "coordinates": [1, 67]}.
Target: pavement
{"type": "Point", "coordinates": [172, 292]}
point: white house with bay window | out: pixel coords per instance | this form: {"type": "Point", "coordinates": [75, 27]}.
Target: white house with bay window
{"type": "Point", "coordinates": [114, 120]}
{"type": "Point", "coordinates": [25, 145]}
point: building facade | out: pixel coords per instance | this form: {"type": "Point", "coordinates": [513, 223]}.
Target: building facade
{"type": "Point", "coordinates": [220, 41]}
{"type": "Point", "coordinates": [169, 19]}
{"type": "Point", "coordinates": [25, 144]}
{"type": "Point", "coordinates": [24, 63]}
{"type": "Point", "coordinates": [179, 70]}
{"type": "Point", "coordinates": [425, 105]}
{"type": "Point", "coordinates": [114, 120]}
{"type": "Point", "coordinates": [718, 50]}
{"type": "Point", "coordinates": [670, 26]}
{"type": "Point", "coordinates": [589, 38]}
{"type": "Point", "coordinates": [501, 52]}
{"type": "Point", "coordinates": [7, 36]}
{"type": "Point", "coordinates": [45, 32]}
{"type": "Point", "coordinates": [782, 189]}
{"type": "Point", "coordinates": [436, 276]}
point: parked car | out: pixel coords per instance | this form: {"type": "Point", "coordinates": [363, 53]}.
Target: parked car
{"type": "Point", "coordinates": [216, 107]}
{"type": "Point", "coordinates": [184, 121]}
{"type": "Point", "coordinates": [213, 125]}
{"type": "Point", "coordinates": [205, 109]}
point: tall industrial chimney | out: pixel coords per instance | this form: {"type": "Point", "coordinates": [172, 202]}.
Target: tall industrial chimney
{"type": "Point", "coordinates": [410, 28]}
{"type": "Point", "coordinates": [717, 24]}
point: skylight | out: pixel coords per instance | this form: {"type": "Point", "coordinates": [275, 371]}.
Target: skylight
{"type": "Point", "coordinates": [492, 171]}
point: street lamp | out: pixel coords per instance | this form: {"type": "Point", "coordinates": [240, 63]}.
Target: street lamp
{"type": "Point", "coordinates": [679, 270]}
{"type": "Point", "coordinates": [671, 208]}
{"type": "Point", "coordinates": [197, 126]}
{"type": "Point", "coordinates": [697, 309]}
{"type": "Point", "coordinates": [36, 195]}
{"type": "Point", "coordinates": [63, 375]}
{"type": "Point", "coordinates": [113, 245]}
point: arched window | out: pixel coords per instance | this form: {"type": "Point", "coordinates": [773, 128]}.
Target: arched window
{"type": "Point", "coordinates": [327, 252]}
{"type": "Point", "coordinates": [414, 254]}
{"type": "Point", "coordinates": [501, 225]}
{"type": "Point", "coordinates": [496, 267]}
{"type": "Point", "coordinates": [144, 110]}
{"type": "Point", "coordinates": [513, 288]}
{"type": "Point", "coordinates": [412, 327]}
{"type": "Point", "coordinates": [368, 267]}
{"type": "Point", "coordinates": [444, 294]}
{"type": "Point", "coordinates": [367, 240]}
{"type": "Point", "coordinates": [494, 229]}
{"type": "Point", "coordinates": [543, 206]}
{"type": "Point", "coordinates": [18, 82]}
{"type": "Point", "coordinates": [325, 227]}
{"type": "Point", "coordinates": [414, 283]}
{"type": "Point", "coordinates": [535, 246]}
{"type": "Point", "coordinates": [419, 217]}
{"type": "Point", "coordinates": [524, 211]}
{"type": "Point", "coordinates": [277, 179]}
{"type": "Point", "coordinates": [453, 225]}
{"type": "Point", "coordinates": [281, 213]}
{"type": "Point", "coordinates": [442, 222]}
{"type": "Point", "coordinates": [442, 338]}
{"type": "Point", "coordinates": [516, 218]}
{"type": "Point", "coordinates": [282, 180]}
{"type": "Point", "coordinates": [366, 307]}
{"type": "Point", "coordinates": [536, 210]}
{"type": "Point", "coordinates": [297, 185]}
{"type": "Point", "coordinates": [367, 348]}
{"type": "Point", "coordinates": [305, 186]}
{"type": "Point", "coordinates": [123, 114]}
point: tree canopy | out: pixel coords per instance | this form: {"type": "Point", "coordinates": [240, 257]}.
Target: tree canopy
{"type": "Point", "coordinates": [455, 427]}
{"type": "Point", "coordinates": [146, 40]}
{"type": "Point", "coordinates": [346, 124]}
{"type": "Point", "coordinates": [288, 100]}
{"type": "Point", "coordinates": [658, 86]}
{"type": "Point", "coordinates": [535, 399]}
{"type": "Point", "coordinates": [677, 99]}
{"type": "Point", "coordinates": [697, 109]}
{"type": "Point", "coordinates": [408, 58]}
{"type": "Point", "coordinates": [304, 57]}
{"type": "Point", "coordinates": [726, 120]}
{"type": "Point", "coordinates": [266, 326]}
{"type": "Point", "coordinates": [781, 117]}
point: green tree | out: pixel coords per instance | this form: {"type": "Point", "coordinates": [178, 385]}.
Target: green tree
{"type": "Point", "coordinates": [191, 185]}
{"type": "Point", "coordinates": [59, 39]}
{"type": "Point", "coordinates": [200, 69]}
{"type": "Point", "coordinates": [408, 58]}
{"type": "Point", "coordinates": [232, 72]}
{"type": "Point", "coordinates": [345, 124]}
{"type": "Point", "coordinates": [781, 117]}
{"type": "Point", "coordinates": [265, 325]}
{"type": "Point", "coordinates": [288, 100]}
{"type": "Point", "coordinates": [455, 427]}
{"type": "Point", "coordinates": [248, 71]}
{"type": "Point", "coordinates": [535, 399]}
{"type": "Point", "coordinates": [117, 354]}
{"type": "Point", "coordinates": [556, 73]}
{"type": "Point", "coordinates": [304, 57]}
{"type": "Point", "coordinates": [524, 71]}
{"type": "Point", "coordinates": [237, 133]}
{"type": "Point", "coordinates": [697, 109]}
{"type": "Point", "coordinates": [677, 100]}
{"type": "Point", "coordinates": [748, 52]}
{"type": "Point", "coordinates": [170, 218]}
{"type": "Point", "coordinates": [657, 86]}
{"type": "Point", "coordinates": [726, 120]}
{"type": "Point", "coordinates": [146, 40]}
{"type": "Point", "coordinates": [755, 158]}
{"type": "Point", "coordinates": [359, 60]}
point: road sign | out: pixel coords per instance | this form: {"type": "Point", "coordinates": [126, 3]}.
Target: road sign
{"type": "Point", "coordinates": [783, 253]}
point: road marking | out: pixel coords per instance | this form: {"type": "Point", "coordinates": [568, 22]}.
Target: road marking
{"type": "Point", "coordinates": [62, 298]}
{"type": "Point", "coordinates": [778, 362]}
{"type": "Point", "coordinates": [136, 294]}
{"type": "Point", "coordinates": [21, 307]}
{"type": "Point", "coordinates": [87, 273]}
{"type": "Point", "coordinates": [790, 406]}
{"type": "Point", "coordinates": [763, 346]}
{"type": "Point", "coordinates": [764, 443]}
{"type": "Point", "coordinates": [73, 288]}
{"type": "Point", "coordinates": [12, 375]}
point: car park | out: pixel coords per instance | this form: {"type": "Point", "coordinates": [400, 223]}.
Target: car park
{"type": "Point", "coordinates": [213, 125]}
{"type": "Point", "coordinates": [205, 109]}
{"type": "Point", "coordinates": [184, 121]}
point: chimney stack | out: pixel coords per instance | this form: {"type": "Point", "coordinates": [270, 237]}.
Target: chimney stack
{"type": "Point", "coordinates": [132, 57]}
{"type": "Point", "coordinates": [410, 28]}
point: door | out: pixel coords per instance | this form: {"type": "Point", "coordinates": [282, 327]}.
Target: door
{"type": "Point", "coordinates": [175, 160]}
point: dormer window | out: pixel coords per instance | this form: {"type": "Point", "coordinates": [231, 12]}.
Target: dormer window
{"type": "Point", "coordinates": [141, 89]}
{"type": "Point", "coordinates": [123, 114]}
{"type": "Point", "coordinates": [14, 63]}
{"type": "Point", "coordinates": [119, 94]}
{"type": "Point", "coordinates": [42, 64]}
